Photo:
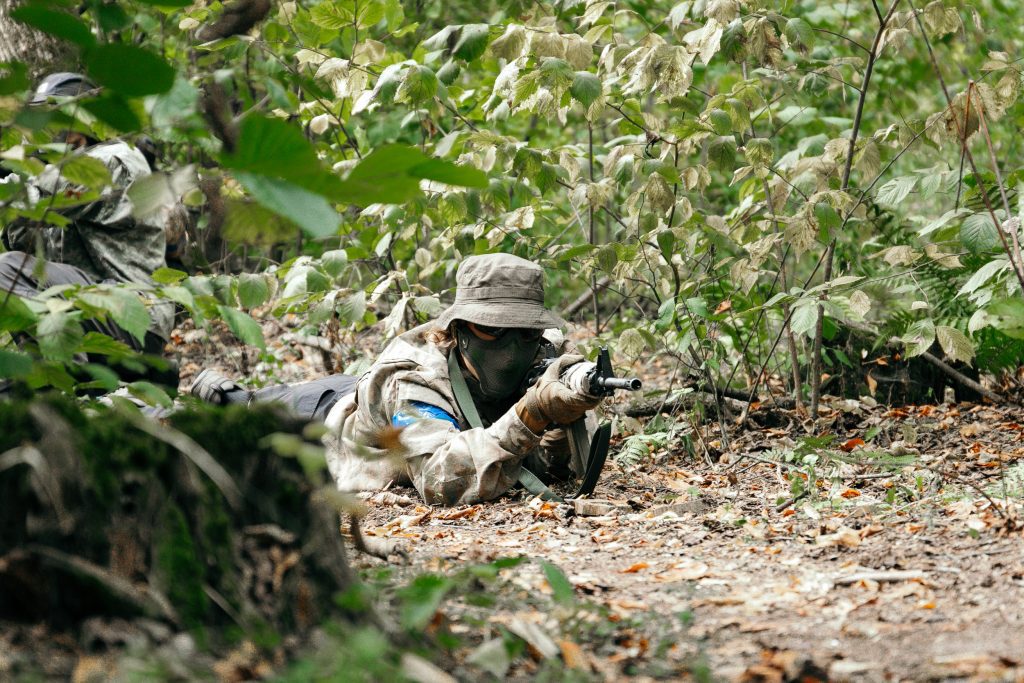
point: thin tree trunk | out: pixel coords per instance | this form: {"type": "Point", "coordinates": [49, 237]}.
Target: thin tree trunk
{"type": "Point", "coordinates": [41, 53]}
{"type": "Point", "coordinates": [815, 377]}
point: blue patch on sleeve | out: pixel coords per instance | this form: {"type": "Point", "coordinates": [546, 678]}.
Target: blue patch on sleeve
{"type": "Point", "coordinates": [418, 410]}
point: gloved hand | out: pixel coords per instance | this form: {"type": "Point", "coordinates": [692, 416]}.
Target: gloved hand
{"type": "Point", "coordinates": [213, 387]}
{"type": "Point", "coordinates": [551, 401]}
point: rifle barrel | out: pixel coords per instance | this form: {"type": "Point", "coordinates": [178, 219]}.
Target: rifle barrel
{"type": "Point", "coordinates": [627, 383]}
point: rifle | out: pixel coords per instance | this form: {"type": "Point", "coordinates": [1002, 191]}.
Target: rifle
{"type": "Point", "coordinates": [601, 381]}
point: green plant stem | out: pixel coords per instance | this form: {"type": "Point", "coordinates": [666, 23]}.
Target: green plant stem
{"type": "Point", "coordinates": [1018, 266]}
{"type": "Point", "coordinates": [815, 378]}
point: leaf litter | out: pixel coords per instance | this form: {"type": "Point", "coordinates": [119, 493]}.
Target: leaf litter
{"type": "Point", "coordinates": [902, 560]}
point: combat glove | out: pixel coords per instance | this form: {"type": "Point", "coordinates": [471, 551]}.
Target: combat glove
{"type": "Point", "coordinates": [213, 387]}
{"type": "Point", "coordinates": [552, 401]}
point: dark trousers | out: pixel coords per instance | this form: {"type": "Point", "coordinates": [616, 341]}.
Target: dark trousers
{"type": "Point", "coordinates": [308, 400]}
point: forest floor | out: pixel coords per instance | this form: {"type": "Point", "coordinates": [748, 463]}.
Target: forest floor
{"type": "Point", "coordinates": [901, 559]}
{"type": "Point", "coordinates": [701, 570]}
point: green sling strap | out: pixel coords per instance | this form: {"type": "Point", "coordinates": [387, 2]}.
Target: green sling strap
{"type": "Point", "coordinates": [527, 479]}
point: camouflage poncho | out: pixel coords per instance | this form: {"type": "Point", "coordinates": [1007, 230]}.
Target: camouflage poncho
{"type": "Point", "coordinates": [104, 239]}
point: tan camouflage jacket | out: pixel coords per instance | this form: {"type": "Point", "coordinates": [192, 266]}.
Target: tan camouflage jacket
{"type": "Point", "coordinates": [104, 239]}
{"type": "Point", "coordinates": [437, 451]}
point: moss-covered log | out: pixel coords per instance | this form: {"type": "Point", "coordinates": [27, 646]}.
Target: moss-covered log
{"type": "Point", "coordinates": [101, 517]}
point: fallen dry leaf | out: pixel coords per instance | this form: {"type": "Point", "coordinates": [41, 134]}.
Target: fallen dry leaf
{"type": "Point", "coordinates": [973, 429]}
{"type": "Point", "coordinates": [844, 537]}
{"type": "Point", "coordinates": [633, 569]}
{"type": "Point", "coordinates": [470, 511]}
{"type": "Point", "coordinates": [851, 444]}
{"type": "Point", "coordinates": [572, 655]}
{"type": "Point", "coordinates": [683, 571]}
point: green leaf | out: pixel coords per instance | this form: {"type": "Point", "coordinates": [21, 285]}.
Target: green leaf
{"type": "Point", "coordinates": [982, 275]}
{"type": "Point", "coordinates": [15, 316]}
{"type": "Point", "coordinates": [759, 151]}
{"type": "Point", "coordinates": [14, 364]}
{"type": "Point", "coordinates": [168, 276]}
{"type": "Point", "coordinates": [370, 12]}
{"type": "Point", "coordinates": [666, 242]}
{"type": "Point", "coordinates": [253, 290]}
{"type": "Point", "coordinates": [277, 149]}
{"type": "Point", "coordinates": [607, 257]}
{"type": "Point", "coordinates": [131, 314]}
{"type": "Point", "coordinates": [919, 337]}
{"type": "Point", "coordinates": [334, 262]}
{"type": "Point", "coordinates": [123, 306]}
{"type": "Point", "coordinates": [421, 598]}
{"type": "Point", "coordinates": [391, 174]}
{"type": "Point", "coordinates": [800, 33]}
{"type": "Point", "coordinates": [151, 394]}
{"type": "Point", "coordinates": [129, 70]}
{"type": "Point", "coordinates": [451, 174]}
{"type": "Point", "coordinates": [101, 345]}
{"type": "Point", "coordinates": [561, 590]}
{"type": "Point", "coordinates": [243, 326]}
{"type": "Point", "coordinates": [167, 3]}
{"type": "Point", "coordinates": [979, 234]}
{"type": "Point", "coordinates": [317, 281]}
{"type": "Point", "coordinates": [87, 171]}
{"type": "Point", "coordinates": [896, 190]}
{"type": "Point", "coordinates": [955, 344]}
{"type": "Point", "coordinates": [102, 377]}
{"type": "Point", "coordinates": [827, 217]}
{"type": "Point", "coordinates": [585, 88]}
{"type": "Point", "coordinates": [332, 15]}
{"type": "Point", "coordinates": [804, 319]}
{"type": "Point", "coordinates": [309, 211]}
{"type": "Point", "coordinates": [352, 308]}
{"type": "Point", "coordinates": [344, 13]}
{"type": "Point", "coordinates": [393, 14]}
{"type": "Point", "coordinates": [58, 336]}
{"type": "Point", "coordinates": [720, 121]}
{"type": "Point", "coordinates": [50, 375]}
{"type": "Point", "coordinates": [179, 295]}
{"type": "Point", "coordinates": [473, 39]}
{"type": "Point", "coordinates": [631, 343]}
{"type": "Point", "coordinates": [448, 73]}
{"type": "Point", "coordinates": [666, 314]}
{"type": "Point", "coordinates": [722, 153]}
{"type": "Point", "coordinates": [115, 111]}
{"type": "Point", "coordinates": [13, 78]}
{"type": "Point", "coordinates": [698, 306]}
{"type": "Point", "coordinates": [1008, 316]}
{"type": "Point", "coordinates": [60, 24]}
{"type": "Point", "coordinates": [419, 85]}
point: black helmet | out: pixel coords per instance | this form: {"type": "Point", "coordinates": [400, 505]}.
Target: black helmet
{"type": "Point", "coordinates": [64, 84]}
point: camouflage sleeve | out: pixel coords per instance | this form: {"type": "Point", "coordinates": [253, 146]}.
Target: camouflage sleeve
{"type": "Point", "coordinates": [449, 465]}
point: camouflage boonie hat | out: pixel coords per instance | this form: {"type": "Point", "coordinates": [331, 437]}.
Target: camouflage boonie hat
{"type": "Point", "coordinates": [500, 290]}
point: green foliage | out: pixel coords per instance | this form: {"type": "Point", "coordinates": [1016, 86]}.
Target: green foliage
{"type": "Point", "coordinates": [696, 151]}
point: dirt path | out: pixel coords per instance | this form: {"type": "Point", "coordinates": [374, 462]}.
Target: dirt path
{"type": "Point", "coordinates": [699, 567]}
{"type": "Point", "coordinates": [895, 567]}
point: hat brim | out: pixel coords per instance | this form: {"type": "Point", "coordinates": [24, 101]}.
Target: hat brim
{"type": "Point", "coordinates": [501, 314]}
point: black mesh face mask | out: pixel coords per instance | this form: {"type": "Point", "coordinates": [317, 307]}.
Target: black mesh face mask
{"type": "Point", "coordinates": [502, 362]}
